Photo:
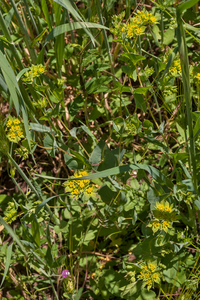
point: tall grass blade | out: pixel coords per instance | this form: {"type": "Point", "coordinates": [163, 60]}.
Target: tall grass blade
{"type": "Point", "coordinates": [98, 5]}
{"type": "Point", "coordinates": [8, 259]}
{"type": "Point", "coordinates": [157, 175]}
{"type": "Point", "coordinates": [24, 32]}
{"type": "Point", "coordinates": [10, 80]}
{"type": "Point", "coordinates": [66, 4]}
{"type": "Point", "coordinates": [186, 83]}
{"type": "Point", "coordinates": [46, 13]}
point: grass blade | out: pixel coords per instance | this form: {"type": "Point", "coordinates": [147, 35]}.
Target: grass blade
{"type": "Point", "coordinates": [23, 175]}
{"type": "Point", "coordinates": [72, 26]}
{"type": "Point", "coordinates": [186, 84]}
{"type": "Point", "coordinates": [12, 234]}
{"type": "Point", "coordinates": [8, 259]}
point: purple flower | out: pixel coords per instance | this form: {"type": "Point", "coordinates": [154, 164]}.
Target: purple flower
{"type": "Point", "coordinates": [65, 273]}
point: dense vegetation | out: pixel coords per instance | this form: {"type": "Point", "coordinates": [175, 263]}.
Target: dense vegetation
{"type": "Point", "coordinates": [100, 149]}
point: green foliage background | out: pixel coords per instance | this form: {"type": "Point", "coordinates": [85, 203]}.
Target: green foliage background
{"type": "Point", "coordinates": [99, 135]}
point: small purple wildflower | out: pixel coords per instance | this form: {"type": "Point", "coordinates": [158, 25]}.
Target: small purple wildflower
{"type": "Point", "coordinates": [65, 273]}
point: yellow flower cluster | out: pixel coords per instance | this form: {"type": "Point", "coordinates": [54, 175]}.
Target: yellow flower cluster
{"type": "Point", "coordinates": [78, 187]}
{"type": "Point", "coordinates": [164, 215]}
{"type": "Point", "coordinates": [175, 69]}
{"type": "Point", "coordinates": [35, 71]}
{"type": "Point", "coordinates": [164, 207]}
{"type": "Point", "coordinates": [149, 274]}
{"type": "Point", "coordinates": [14, 129]}
{"type": "Point", "coordinates": [10, 213]}
{"type": "Point", "coordinates": [138, 22]}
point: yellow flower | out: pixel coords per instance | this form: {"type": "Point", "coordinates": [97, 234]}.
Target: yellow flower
{"type": "Point", "coordinates": [156, 224]}
{"type": "Point", "coordinates": [165, 224]}
{"type": "Point", "coordinates": [155, 276]}
{"type": "Point", "coordinates": [84, 173]}
{"type": "Point", "coordinates": [144, 268]}
{"type": "Point", "coordinates": [75, 192]}
{"type": "Point", "coordinates": [81, 184]}
{"type": "Point", "coordinates": [12, 128]}
{"type": "Point", "coordinates": [35, 73]}
{"type": "Point", "coordinates": [9, 123]}
{"type": "Point", "coordinates": [19, 133]}
{"type": "Point", "coordinates": [17, 128]}
{"type": "Point", "coordinates": [149, 282]}
{"type": "Point", "coordinates": [139, 30]}
{"type": "Point", "coordinates": [152, 267]}
{"type": "Point", "coordinates": [89, 190]}
{"type": "Point", "coordinates": [71, 184]}
{"type": "Point", "coordinates": [152, 19]}
{"type": "Point", "coordinates": [142, 275]}
{"type": "Point", "coordinates": [160, 207]}
{"type": "Point", "coordinates": [12, 135]}
{"type": "Point", "coordinates": [168, 209]}
{"type": "Point", "coordinates": [41, 69]}
{"type": "Point", "coordinates": [17, 121]}
{"type": "Point", "coordinates": [147, 275]}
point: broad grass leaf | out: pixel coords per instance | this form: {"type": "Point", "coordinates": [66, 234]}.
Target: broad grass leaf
{"type": "Point", "coordinates": [40, 128]}
{"type": "Point", "coordinates": [156, 174]}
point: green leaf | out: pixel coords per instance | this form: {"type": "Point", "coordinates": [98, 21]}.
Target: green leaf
{"type": "Point", "coordinates": [134, 58]}
{"type": "Point", "coordinates": [50, 144]}
{"type": "Point", "coordinates": [140, 102]}
{"type": "Point", "coordinates": [79, 293]}
{"type": "Point", "coordinates": [168, 36]}
{"type": "Point", "coordinates": [147, 295]}
{"type": "Point", "coordinates": [35, 229]}
{"type": "Point", "coordinates": [95, 157]}
{"type": "Point", "coordinates": [49, 257]}
{"type": "Point", "coordinates": [174, 276]}
{"type": "Point", "coordinates": [180, 8]}
{"type": "Point", "coordinates": [142, 90]}
{"type": "Point", "coordinates": [8, 259]}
